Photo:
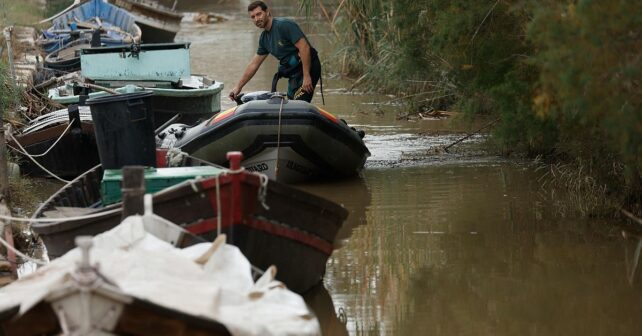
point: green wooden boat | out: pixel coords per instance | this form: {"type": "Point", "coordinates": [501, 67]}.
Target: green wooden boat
{"type": "Point", "coordinates": [163, 69]}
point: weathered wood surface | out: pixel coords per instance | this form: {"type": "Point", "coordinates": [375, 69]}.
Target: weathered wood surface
{"type": "Point", "coordinates": [8, 271]}
{"type": "Point", "coordinates": [27, 58]}
{"type": "Point", "coordinates": [133, 190]}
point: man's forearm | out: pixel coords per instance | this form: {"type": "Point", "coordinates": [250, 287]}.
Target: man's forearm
{"type": "Point", "coordinates": [249, 72]}
{"type": "Point", "coordinates": [306, 60]}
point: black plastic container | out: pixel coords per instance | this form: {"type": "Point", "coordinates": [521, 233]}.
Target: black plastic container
{"type": "Point", "coordinates": [124, 127]}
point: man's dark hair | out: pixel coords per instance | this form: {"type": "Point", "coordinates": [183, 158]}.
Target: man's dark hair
{"type": "Point", "coordinates": [255, 4]}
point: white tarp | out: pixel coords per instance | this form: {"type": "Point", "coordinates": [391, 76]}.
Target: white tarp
{"type": "Point", "coordinates": [204, 280]}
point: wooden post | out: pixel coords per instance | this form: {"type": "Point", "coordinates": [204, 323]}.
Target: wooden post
{"type": "Point", "coordinates": [4, 169]}
{"type": "Point", "coordinates": [236, 211]}
{"type": "Point", "coordinates": [12, 70]}
{"type": "Point", "coordinates": [7, 234]}
{"type": "Point", "coordinates": [133, 190]}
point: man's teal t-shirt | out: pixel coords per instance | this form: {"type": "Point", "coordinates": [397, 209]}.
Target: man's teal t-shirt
{"type": "Point", "coordinates": [280, 40]}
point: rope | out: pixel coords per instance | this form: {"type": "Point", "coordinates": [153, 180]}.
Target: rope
{"type": "Point", "coordinates": [218, 206]}
{"type": "Point", "coordinates": [175, 152]}
{"type": "Point", "coordinates": [60, 219]}
{"type": "Point", "coordinates": [22, 255]}
{"type": "Point", "coordinates": [49, 149]}
{"type": "Point", "coordinates": [37, 163]}
{"type": "Point", "coordinates": [205, 162]}
{"type": "Point", "coordinates": [263, 190]}
{"type": "Point", "coordinates": [278, 141]}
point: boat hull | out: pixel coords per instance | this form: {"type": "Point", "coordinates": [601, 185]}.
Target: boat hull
{"type": "Point", "coordinates": [295, 231]}
{"type": "Point", "coordinates": [52, 41]}
{"type": "Point", "coordinates": [303, 143]}
{"type": "Point", "coordinates": [158, 23]}
{"type": "Point", "coordinates": [192, 104]}
{"type": "Point", "coordinates": [154, 34]}
{"type": "Point", "coordinates": [72, 155]}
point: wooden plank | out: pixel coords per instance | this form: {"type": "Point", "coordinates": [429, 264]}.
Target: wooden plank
{"type": "Point", "coordinates": [145, 318]}
{"type": "Point", "coordinates": [39, 320]}
{"type": "Point", "coordinates": [68, 212]}
{"type": "Point", "coordinates": [8, 237]}
{"type": "Point", "coordinates": [133, 190]}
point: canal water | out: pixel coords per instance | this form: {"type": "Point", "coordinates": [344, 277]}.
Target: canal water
{"type": "Point", "coordinates": [438, 243]}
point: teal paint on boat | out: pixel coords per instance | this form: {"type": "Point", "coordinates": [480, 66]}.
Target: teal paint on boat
{"type": "Point", "coordinates": [156, 179]}
{"type": "Point", "coordinates": [158, 62]}
{"type": "Point", "coordinates": [60, 94]}
{"type": "Point", "coordinates": [160, 68]}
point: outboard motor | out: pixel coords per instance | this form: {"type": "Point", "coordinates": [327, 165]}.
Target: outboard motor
{"type": "Point", "coordinates": [171, 133]}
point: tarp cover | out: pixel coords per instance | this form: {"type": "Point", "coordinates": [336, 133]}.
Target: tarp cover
{"type": "Point", "coordinates": [142, 266]}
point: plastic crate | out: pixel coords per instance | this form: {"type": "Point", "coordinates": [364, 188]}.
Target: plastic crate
{"type": "Point", "coordinates": [156, 179]}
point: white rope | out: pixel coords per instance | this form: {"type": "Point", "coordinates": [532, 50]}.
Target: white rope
{"type": "Point", "coordinates": [49, 149]}
{"type": "Point", "coordinates": [263, 190]}
{"type": "Point", "coordinates": [22, 255]}
{"type": "Point", "coordinates": [60, 219]}
{"type": "Point", "coordinates": [37, 163]}
{"type": "Point", "coordinates": [263, 178]}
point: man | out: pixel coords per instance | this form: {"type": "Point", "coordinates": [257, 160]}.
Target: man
{"type": "Point", "coordinates": [282, 38]}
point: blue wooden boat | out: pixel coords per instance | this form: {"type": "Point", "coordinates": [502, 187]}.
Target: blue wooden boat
{"type": "Point", "coordinates": [117, 26]}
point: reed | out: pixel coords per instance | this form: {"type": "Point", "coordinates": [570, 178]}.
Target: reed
{"type": "Point", "coordinates": [573, 189]}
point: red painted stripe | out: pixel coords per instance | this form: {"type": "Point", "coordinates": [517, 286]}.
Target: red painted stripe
{"type": "Point", "coordinates": [293, 234]}
{"type": "Point", "coordinates": [205, 226]}
{"type": "Point", "coordinates": [209, 225]}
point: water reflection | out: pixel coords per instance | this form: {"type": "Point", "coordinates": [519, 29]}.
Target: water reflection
{"type": "Point", "coordinates": [473, 250]}
{"type": "Point", "coordinates": [353, 194]}
{"type": "Point", "coordinates": [632, 241]}
{"type": "Point", "coordinates": [331, 320]}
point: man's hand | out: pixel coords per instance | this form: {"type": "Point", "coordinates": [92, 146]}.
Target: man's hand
{"type": "Point", "coordinates": [235, 92]}
{"type": "Point", "coordinates": [307, 84]}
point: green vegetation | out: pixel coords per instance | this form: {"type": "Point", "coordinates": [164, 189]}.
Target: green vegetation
{"type": "Point", "coordinates": [563, 77]}
{"type": "Point", "coordinates": [8, 94]}
{"type": "Point", "coordinates": [26, 12]}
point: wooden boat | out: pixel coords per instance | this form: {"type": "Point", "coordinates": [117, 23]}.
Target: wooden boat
{"type": "Point", "coordinates": [137, 280]}
{"type": "Point", "coordinates": [117, 26]}
{"type": "Point", "coordinates": [67, 59]}
{"type": "Point", "coordinates": [161, 68]}
{"type": "Point", "coordinates": [158, 23]}
{"type": "Point", "coordinates": [294, 231]}
{"type": "Point", "coordinates": [288, 140]}
{"type": "Point", "coordinates": [70, 132]}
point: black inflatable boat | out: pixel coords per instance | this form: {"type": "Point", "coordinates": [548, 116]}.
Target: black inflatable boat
{"type": "Point", "coordinates": [288, 140]}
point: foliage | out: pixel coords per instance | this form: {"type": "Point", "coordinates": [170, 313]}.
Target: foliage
{"type": "Point", "coordinates": [563, 77]}
{"type": "Point", "coordinates": [55, 6]}
{"type": "Point", "coordinates": [24, 12]}
{"type": "Point", "coordinates": [8, 94]}
{"type": "Point", "coordinates": [590, 56]}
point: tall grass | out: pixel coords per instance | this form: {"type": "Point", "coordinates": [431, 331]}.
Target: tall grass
{"type": "Point", "coordinates": [562, 77]}
{"type": "Point", "coordinates": [19, 12]}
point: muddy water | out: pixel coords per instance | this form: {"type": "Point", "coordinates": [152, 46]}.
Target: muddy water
{"type": "Point", "coordinates": [440, 244]}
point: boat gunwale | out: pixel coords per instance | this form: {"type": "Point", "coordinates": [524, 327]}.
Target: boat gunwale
{"type": "Point", "coordinates": [178, 191]}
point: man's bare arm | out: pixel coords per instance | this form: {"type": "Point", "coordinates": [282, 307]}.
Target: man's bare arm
{"type": "Point", "coordinates": [306, 59]}
{"type": "Point", "coordinates": [249, 72]}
